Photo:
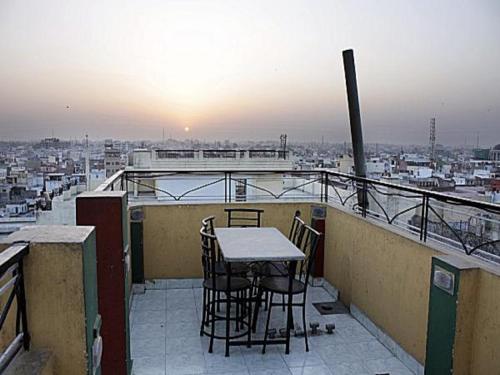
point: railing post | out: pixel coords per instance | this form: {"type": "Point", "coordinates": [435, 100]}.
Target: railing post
{"type": "Point", "coordinates": [426, 217]}
{"type": "Point", "coordinates": [422, 217]}
{"type": "Point", "coordinates": [21, 312]}
{"type": "Point", "coordinates": [126, 185]}
{"type": "Point", "coordinates": [327, 183]}
{"type": "Point", "coordinates": [225, 187]}
{"type": "Point", "coordinates": [321, 181]}
{"type": "Point", "coordinates": [229, 186]}
{"type": "Point", "coordinates": [364, 196]}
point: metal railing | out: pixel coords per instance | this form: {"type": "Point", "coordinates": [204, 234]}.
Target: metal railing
{"type": "Point", "coordinates": [470, 225]}
{"type": "Point", "coordinates": [12, 286]}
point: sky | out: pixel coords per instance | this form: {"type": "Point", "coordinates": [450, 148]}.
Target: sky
{"type": "Point", "coordinates": [249, 70]}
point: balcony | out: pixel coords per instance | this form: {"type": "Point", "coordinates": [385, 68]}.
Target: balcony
{"type": "Point", "coordinates": [390, 261]}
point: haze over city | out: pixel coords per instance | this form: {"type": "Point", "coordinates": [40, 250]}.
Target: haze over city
{"type": "Point", "coordinates": [249, 70]}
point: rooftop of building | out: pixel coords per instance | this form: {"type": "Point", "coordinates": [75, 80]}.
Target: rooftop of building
{"type": "Point", "coordinates": [380, 264]}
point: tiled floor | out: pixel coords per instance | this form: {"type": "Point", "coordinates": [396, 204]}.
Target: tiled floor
{"type": "Point", "coordinates": [165, 340]}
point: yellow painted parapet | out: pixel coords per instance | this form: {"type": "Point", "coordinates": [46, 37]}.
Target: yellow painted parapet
{"type": "Point", "coordinates": [54, 284]}
{"type": "Point", "coordinates": [172, 239]}
{"type": "Point", "coordinates": [386, 274]}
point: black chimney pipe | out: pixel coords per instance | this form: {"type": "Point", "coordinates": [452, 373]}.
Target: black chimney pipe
{"type": "Point", "coordinates": [355, 121]}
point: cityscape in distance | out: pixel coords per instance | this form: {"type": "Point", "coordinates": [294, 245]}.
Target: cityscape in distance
{"type": "Point", "coordinates": [39, 181]}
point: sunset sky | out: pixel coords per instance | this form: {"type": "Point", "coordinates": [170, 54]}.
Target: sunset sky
{"type": "Point", "coordinates": [240, 70]}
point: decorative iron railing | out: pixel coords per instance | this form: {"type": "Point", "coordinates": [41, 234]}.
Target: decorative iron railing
{"type": "Point", "coordinates": [470, 225]}
{"type": "Point", "coordinates": [12, 286]}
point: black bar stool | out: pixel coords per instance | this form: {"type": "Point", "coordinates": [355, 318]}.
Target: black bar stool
{"type": "Point", "coordinates": [215, 290]}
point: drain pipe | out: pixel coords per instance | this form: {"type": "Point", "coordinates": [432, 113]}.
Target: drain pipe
{"type": "Point", "coordinates": [355, 121]}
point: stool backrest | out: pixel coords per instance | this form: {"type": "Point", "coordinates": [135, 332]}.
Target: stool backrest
{"type": "Point", "coordinates": [208, 224]}
{"type": "Point", "coordinates": [244, 217]}
{"type": "Point", "coordinates": [296, 230]}
{"type": "Point", "coordinates": [309, 246]}
{"type": "Point", "coordinates": [208, 254]}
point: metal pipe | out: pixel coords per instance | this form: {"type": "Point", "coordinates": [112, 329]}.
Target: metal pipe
{"type": "Point", "coordinates": [355, 121]}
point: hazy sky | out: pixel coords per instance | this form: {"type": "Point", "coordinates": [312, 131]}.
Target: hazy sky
{"type": "Point", "coordinates": [249, 69]}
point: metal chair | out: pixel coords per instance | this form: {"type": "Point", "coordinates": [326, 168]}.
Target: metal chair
{"type": "Point", "coordinates": [213, 286]}
{"type": "Point", "coordinates": [280, 268]}
{"type": "Point", "coordinates": [244, 217]}
{"type": "Point", "coordinates": [237, 269]}
{"type": "Point", "coordinates": [220, 268]}
{"type": "Point", "coordinates": [295, 236]}
{"type": "Point", "coordinates": [279, 284]}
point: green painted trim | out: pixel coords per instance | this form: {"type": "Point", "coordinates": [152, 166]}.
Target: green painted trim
{"type": "Point", "coordinates": [441, 324]}
{"type": "Point", "coordinates": [136, 244]}
{"type": "Point", "coordinates": [90, 295]}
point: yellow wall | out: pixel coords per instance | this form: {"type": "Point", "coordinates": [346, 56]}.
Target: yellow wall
{"type": "Point", "coordinates": [384, 274]}
{"type": "Point", "coordinates": [54, 294]}
{"type": "Point", "coordinates": [466, 314]}
{"type": "Point", "coordinates": [172, 239]}
{"type": "Point", "coordinates": [387, 276]}
{"type": "Point", "coordinates": [61, 302]}
{"type": "Point", "coordinates": [486, 338]}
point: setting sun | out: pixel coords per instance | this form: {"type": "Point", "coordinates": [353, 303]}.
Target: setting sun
{"type": "Point", "coordinates": [186, 129]}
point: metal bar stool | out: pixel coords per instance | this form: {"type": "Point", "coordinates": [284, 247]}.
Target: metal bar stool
{"type": "Point", "coordinates": [215, 286]}
{"type": "Point", "coordinates": [279, 284]}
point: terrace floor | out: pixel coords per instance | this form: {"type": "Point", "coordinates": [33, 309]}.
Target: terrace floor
{"type": "Point", "coordinates": [165, 340]}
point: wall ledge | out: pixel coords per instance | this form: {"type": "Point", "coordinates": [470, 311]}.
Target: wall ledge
{"type": "Point", "coordinates": [479, 262]}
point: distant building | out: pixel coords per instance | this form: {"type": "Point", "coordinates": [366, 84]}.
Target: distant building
{"type": "Point", "coordinates": [243, 187]}
{"type": "Point", "coordinates": [212, 159]}
{"type": "Point", "coordinates": [481, 153]}
{"type": "Point", "coordinates": [15, 209]}
{"type": "Point", "coordinates": [345, 164]}
{"type": "Point", "coordinates": [495, 153]}
{"type": "Point", "coordinates": [376, 167]}
{"type": "Point", "coordinates": [54, 182]}
{"type": "Point", "coordinates": [52, 143]}
{"type": "Point", "coordinates": [112, 159]}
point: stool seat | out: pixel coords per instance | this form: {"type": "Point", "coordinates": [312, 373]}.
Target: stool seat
{"type": "Point", "coordinates": [237, 268]}
{"type": "Point", "coordinates": [237, 284]}
{"type": "Point", "coordinates": [279, 285]}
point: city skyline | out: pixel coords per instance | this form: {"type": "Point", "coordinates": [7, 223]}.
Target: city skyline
{"type": "Point", "coordinates": [249, 70]}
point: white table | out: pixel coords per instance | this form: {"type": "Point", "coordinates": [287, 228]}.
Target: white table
{"type": "Point", "coordinates": [259, 245]}
{"type": "Point", "coordinates": [256, 245]}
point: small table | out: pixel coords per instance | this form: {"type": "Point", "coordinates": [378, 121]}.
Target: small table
{"type": "Point", "coordinates": [258, 245]}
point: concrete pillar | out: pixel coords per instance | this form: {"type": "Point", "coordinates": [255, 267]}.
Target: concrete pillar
{"type": "Point", "coordinates": [61, 293]}
{"type": "Point", "coordinates": [107, 211]}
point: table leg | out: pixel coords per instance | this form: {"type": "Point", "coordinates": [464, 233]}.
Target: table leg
{"type": "Point", "coordinates": [256, 309]}
{"type": "Point", "coordinates": [228, 305]}
{"type": "Point", "coordinates": [289, 320]}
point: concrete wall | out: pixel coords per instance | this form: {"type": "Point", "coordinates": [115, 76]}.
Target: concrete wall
{"type": "Point", "coordinates": [384, 274]}
{"type": "Point", "coordinates": [485, 358]}
{"type": "Point", "coordinates": [172, 239]}
{"type": "Point", "coordinates": [387, 275]}
{"type": "Point", "coordinates": [54, 284]}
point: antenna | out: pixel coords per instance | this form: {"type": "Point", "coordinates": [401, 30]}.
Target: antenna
{"type": "Point", "coordinates": [432, 139]}
{"type": "Point", "coordinates": [87, 162]}
{"type": "Point", "coordinates": [283, 138]}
